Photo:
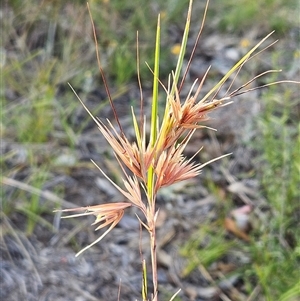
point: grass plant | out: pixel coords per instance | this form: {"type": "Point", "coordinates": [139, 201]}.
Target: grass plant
{"type": "Point", "coordinates": [150, 165]}
{"type": "Point", "coordinates": [44, 52]}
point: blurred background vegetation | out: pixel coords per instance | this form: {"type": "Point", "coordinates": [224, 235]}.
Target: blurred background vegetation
{"type": "Point", "coordinates": [46, 44]}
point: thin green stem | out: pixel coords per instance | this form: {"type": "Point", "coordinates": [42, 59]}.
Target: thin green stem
{"type": "Point", "coordinates": [145, 284]}
{"type": "Point", "coordinates": [154, 113]}
{"type": "Point", "coordinates": [150, 179]}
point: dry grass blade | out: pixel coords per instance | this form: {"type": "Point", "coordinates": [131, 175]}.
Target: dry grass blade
{"type": "Point", "coordinates": [24, 250]}
{"type": "Point", "coordinates": [48, 195]}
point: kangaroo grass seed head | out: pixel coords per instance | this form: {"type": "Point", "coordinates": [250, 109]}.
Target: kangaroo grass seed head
{"type": "Point", "coordinates": [160, 162]}
{"type": "Point", "coordinates": [149, 166]}
{"type": "Point", "coordinates": [106, 214]}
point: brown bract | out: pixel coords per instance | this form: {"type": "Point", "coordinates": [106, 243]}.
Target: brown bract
{"type": "Point", "coordinates": [184, 117]}
{"type": "Point", "coordinates": [137, 160]}
{"type": "Point", "coordinates": [172, 166]}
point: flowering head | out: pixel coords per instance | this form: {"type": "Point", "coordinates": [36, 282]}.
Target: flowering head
{"type": "Point", "coordinates": [106, 214]}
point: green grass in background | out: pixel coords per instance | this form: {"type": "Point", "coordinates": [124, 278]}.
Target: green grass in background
{"type": "Point", "coordinates": [238, 16]}
{"type": "Point", "coordinates": [277, 250]}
